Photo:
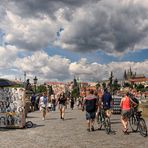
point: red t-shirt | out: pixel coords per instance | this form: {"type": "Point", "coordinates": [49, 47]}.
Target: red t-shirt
{"type": "Point", "coordinates": [125, 103]}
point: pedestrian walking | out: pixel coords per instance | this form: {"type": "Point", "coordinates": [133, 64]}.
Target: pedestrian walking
{"type": "Point", "coordinates": [53, 102]}
{"type": "Point", "coordinates": [125, 112]}
{"type": "Point", "coordinates": [43, 105]}
{"type": "Point", "coordinates": [106, 102]}
{"type": "Point", "coordinates": [72, 103]}
{"type": "Point", "coordinates": [37, 99]}
{"type": "Point", "coordinates": [62, 101]}
{"type": "Point", "coordinates": [33, 98]}
{"type": "Point", "coordinates": [90, 106]}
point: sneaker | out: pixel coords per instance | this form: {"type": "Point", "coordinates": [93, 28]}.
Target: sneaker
{"type": "Point", "coordinates": [88, 130]}
{"type": "Point", "coordinates": [99, 128]}
{"type": "Point", "coordinates": [92, 128]}
{"type": "Point", "coordinates": [125, 131]}
{"type": "Point", "coordinates": [43, 118]}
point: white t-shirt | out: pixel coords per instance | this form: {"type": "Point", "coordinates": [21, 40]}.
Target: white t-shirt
{"type": "Point", "coordinates": [43, 101]}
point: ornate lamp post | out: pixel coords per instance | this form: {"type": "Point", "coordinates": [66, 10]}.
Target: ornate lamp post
{"type": "Point", "coordinates": [35, 82]}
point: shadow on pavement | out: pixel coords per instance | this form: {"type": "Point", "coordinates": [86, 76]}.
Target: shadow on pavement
{"type": "Point", "coordinates": [113, 119]}
{"type": "Point", "coordinates": [69, 118]}
{"type": "Point", "coordinates": [116, 122]}
{"type": "Point", "coordinates": [36, 125]}
{"type": "Point", "coordinates": [112, 132]}
{"type": "Point", "coordinates": [31, 117]}
{"type": "Point", "coordinates": [14, 129]}
{"type": "Point", "coordinates": [52, 119]}
{"type": "Point", "coordinates": [7, 129]}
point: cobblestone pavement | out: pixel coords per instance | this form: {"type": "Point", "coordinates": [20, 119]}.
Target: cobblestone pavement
{"type": "Point", "coordinates": [70, 133]}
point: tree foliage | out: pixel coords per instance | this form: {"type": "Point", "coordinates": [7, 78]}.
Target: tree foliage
{"type": "Point", "coordinates": [41, 88]}
{"type": "Point", "coordinates": [104, 85]}
{"type": "Point", "coordinates": [140, 87]}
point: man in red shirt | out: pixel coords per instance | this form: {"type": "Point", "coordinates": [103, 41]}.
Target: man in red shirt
{"type": "Point", "coordinates": [125, 111]}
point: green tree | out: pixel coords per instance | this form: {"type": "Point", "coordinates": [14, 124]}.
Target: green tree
{"type": "Point", "coordinates": [97, 85]}
{"type": "Point", "coordinates": [75, 93]}
{"type": "Point", "coordinates": [41, 88]}
{"type": "Point", "coordinates": [116, 86]}
{"type": "Point", "coordinates": [126, 84]}
{"type": "Point", "coordinates": [104, 85]}
{"type": "Point", "coordinates": [140, 87]}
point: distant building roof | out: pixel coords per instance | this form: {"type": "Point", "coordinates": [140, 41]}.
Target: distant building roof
{"type": "Point", "coordinates": [138, 76]}
{"type": "Point", "coordinates": [138, 80]}
{"type": "Point", "coordinates": [55, 83]}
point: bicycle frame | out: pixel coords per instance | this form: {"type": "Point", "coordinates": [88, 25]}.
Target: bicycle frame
{"type": "Point", "coordinates": [104, 120]}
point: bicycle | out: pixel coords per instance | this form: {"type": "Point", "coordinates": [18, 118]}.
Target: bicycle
{"type": "Point", "coordinates": [137, 123]}
{"type": "Point", "coordinates": [104, 120]}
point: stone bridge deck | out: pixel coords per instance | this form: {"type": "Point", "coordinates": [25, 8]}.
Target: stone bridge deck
{"type": "Point", "coordinates": [70, 133]}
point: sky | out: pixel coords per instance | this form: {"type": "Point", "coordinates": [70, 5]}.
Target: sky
{"type": "Point", "coordinates": [56, 40]}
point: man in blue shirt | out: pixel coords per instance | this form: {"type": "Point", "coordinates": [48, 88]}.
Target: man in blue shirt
{"type": "Point", "coordinates": [106, 101]}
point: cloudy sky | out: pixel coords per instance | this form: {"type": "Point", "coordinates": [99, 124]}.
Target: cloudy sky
{"type": "Point", "coordinates": [57, 39]}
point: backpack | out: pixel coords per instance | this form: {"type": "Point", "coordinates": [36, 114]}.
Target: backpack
{"type": "Point", "coordinates": [134, 102]}
{"type": "Point", "coordinates": [91, 105]}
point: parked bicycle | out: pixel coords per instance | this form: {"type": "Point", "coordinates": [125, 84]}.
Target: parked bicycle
{"type": "Point", "coordinates": [137, 122]}
{"type": "Point", "coordinates": [104, 120]}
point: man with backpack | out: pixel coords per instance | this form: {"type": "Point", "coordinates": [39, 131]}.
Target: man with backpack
{"type": "Point", "coordinates": [90, 105]}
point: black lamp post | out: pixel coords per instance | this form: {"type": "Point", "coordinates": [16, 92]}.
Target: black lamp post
{"type": "Point", "coordinates": [35, 82]}
{"type": "Point", "coordinates": [24, 80]}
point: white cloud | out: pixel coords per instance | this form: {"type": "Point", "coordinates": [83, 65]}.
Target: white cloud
{"type": "Point", "coordinates": [94, 71]}
{"type": "Point", "coordinates": [47, 68]}
{"type": "Point", "coordinates": [30, 34]}
{"type": "Point", "coordinates": [7, 55]}
{"type": "Point", "coordinates": [44, 66]}
{"type": "Point", "coordinates": [57, 67]}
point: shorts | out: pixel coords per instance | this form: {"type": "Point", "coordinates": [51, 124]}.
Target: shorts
{"type": "Point", "coordinates": [43, 109]}
{"type": "Point", "coordinates": [125, 113]}
{"type": "Point", "coordinates": [90, 115]}
{"type": "Point", "coordinates": [62, 106]}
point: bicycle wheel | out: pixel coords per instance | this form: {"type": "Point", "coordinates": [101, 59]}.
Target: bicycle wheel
{"type": "Point", "coordinates": [107, 125]}
{"type": "Point", "coordinates": [99, 121]}
{"type": "Point", "coordinates": [142, 127]}
{"type": "Point", "coordinates": [133, 123]}
{"type": "Point", "coordinates": [29, 124]}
